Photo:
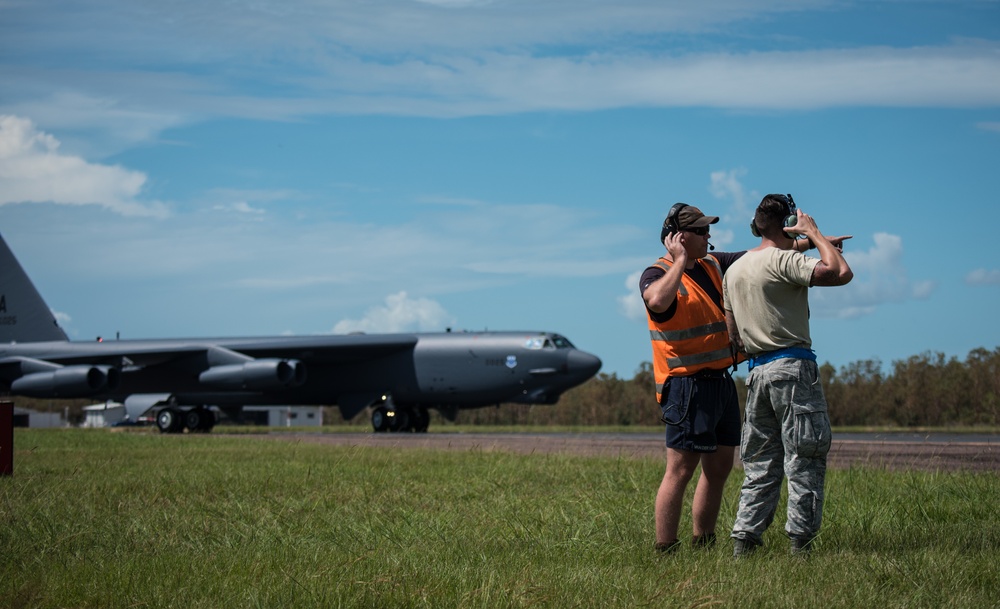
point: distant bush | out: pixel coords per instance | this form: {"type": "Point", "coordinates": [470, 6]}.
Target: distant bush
{"type": "Point", "coordinates": [923, 390]}
{"type": "Point", "coordinates": [926, 389]}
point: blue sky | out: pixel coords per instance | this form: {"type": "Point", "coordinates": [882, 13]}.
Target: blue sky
{"type": "Point", "coordinates": [189, 168]}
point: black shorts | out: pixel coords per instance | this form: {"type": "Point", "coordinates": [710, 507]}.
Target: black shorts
{"type": "Point", "coordinates": [701, 412]}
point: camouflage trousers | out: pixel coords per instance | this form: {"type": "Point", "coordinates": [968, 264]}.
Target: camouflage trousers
{"type": "Point", "coordinates": [786, 433]}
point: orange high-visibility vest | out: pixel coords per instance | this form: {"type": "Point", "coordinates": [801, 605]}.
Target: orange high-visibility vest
{"type": "Point", "coordinates": [695, 338]}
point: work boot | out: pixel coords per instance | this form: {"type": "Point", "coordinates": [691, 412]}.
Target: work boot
{"type": "Point", "coordinates": [669, 547]}
{"type": "Point", "coordinates": [705, 540]}
{"type": "Point", "coordinates": [744, 547]}
{"type": "Point", "coordinates": [801, 546]}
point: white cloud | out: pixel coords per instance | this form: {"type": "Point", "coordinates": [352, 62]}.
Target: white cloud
{"type": "Point", "coordinates": [240, 207]}
{"type": "Point", "coordinates": [208, 33]}
{"type": "Point", "coordinates": [880, 277]}
{"type": "Point", "coordinates": [457, 3]}
{"type": "Point", "coordinates": [983, 277]}
{"type": "Point", "coordinates": [400, 313]}
{"type": "Point", "coordinates": [65, 322]}
{"type": "Point", "coordinates": [122, 110]}
{"type": "Point", "coordinates": [631, 304]}
{"type": "Point", "coordinates": [728, 185]}
{"type": "Point", "coordinates": [989, 127]}
{"type": "Point", "coordinates": [33, 170]}
{"type": "Point", "coordinates": [448, 58]}
{"type": "Point", "coordinates": [443, 249]}
{"type": "Point", "coordinates": [499, 81]}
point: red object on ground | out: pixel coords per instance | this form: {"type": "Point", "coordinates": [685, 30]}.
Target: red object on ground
{"type": "Point", "coordinates": [6, 438]}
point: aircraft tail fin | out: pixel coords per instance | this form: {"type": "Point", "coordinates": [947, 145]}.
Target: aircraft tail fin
{"type": "Point", "coordinates": [24, 316]}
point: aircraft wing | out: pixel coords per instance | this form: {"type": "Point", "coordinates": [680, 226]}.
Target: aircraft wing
{"type": "Point", "coordinates": [332, 349]}
{"type": "Point", "coordinates": [233, 366]}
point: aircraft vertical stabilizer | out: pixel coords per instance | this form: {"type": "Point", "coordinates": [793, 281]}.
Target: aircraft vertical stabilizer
{"type": "Point", "coordinates": [24, 316]}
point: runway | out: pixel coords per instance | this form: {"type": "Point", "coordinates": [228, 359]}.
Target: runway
{"type": "Point", "coordinates": [905, 451]}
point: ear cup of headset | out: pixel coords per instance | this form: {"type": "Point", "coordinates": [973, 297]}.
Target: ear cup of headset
{"type": "Point", "coordinates": [668, 227]}
{"type": "Point", "coordinates": [671, 224]}
{"type": "Point", "coordinates": [791, 220]}
{"type": "Point", "coordinates": [753, 228]}
{"type": "Point", "coordinates": [793, 217]}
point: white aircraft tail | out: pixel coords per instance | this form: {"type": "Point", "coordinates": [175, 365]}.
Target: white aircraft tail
{"type": "Point", "coordinates": [24, 316]}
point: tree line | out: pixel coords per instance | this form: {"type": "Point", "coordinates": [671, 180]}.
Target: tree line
{"type": "Point", "coordinates": [924, 390]}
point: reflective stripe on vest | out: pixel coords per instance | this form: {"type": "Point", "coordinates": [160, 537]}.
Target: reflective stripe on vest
{"type": "Point", "coordinates": [705, 330]}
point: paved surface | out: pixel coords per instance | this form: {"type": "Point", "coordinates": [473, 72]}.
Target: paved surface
{"type": "Point", "coordinates": [886, 451]}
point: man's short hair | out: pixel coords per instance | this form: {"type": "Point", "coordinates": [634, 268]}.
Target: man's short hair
{"type": "Point", "coordinates": [771, 213]}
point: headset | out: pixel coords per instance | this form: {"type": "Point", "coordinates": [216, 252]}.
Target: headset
{"type": "Point", "coordinates": [791, 219]}
{"type": "Point", "coordinates": [672, 224]}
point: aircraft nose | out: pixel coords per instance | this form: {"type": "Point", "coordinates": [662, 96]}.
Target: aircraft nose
{"type": "Point", "coordinates": [582, 363]}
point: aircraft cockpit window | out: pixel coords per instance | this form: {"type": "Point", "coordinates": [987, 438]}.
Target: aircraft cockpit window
{"type": "Point", "coordinates": [561, 342]}
{"type": "Point", "coordinates": [547, 342]}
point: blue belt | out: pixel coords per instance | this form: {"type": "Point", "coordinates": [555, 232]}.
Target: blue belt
{"type": "Point", "coordinates": [770, 356]}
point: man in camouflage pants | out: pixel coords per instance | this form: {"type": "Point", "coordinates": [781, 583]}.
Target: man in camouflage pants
{"type": "Point", "coordinates": [787, 427]}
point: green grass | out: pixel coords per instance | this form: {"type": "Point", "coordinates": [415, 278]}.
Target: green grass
{"type": "Point", "coordinates": [438, 427]}
{"type": "Point", "coordinates": [448, 427]}
{"type": "Point", "coordinates": [98, 519]}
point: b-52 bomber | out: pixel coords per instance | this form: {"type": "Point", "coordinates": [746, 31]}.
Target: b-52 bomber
{"type": "Point", "coordinates": [401, 376]}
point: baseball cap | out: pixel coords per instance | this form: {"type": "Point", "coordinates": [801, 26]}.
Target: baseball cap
{"type": "Point", "coordinates": [691, 217]}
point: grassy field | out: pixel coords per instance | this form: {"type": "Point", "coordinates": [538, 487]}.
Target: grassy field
{"type": "Point", "coordinates": [98, 519]}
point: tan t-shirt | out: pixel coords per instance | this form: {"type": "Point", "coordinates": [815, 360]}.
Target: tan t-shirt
{"type": "Point", "coordinates": [768, 293]}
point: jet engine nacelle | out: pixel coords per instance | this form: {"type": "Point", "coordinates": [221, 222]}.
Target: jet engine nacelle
{"type": "Point", "coordinates": [68, 382]}
{"type": "Point", "coordinates": [261, 374]}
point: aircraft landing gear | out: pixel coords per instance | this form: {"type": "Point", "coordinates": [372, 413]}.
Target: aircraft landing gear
{"type": "Point", "coordinates": [199, 419]}
{"type": "Point", "coordinates": [421, 420]}
{"type": "Point", "coordinates": [400, 418]}
{"type": "Point", "coordinates": [168, 420]}
{"type": "Point", "coordinates": [380, 419]}
{"type": "Point", "coordinates": [175, 420]}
